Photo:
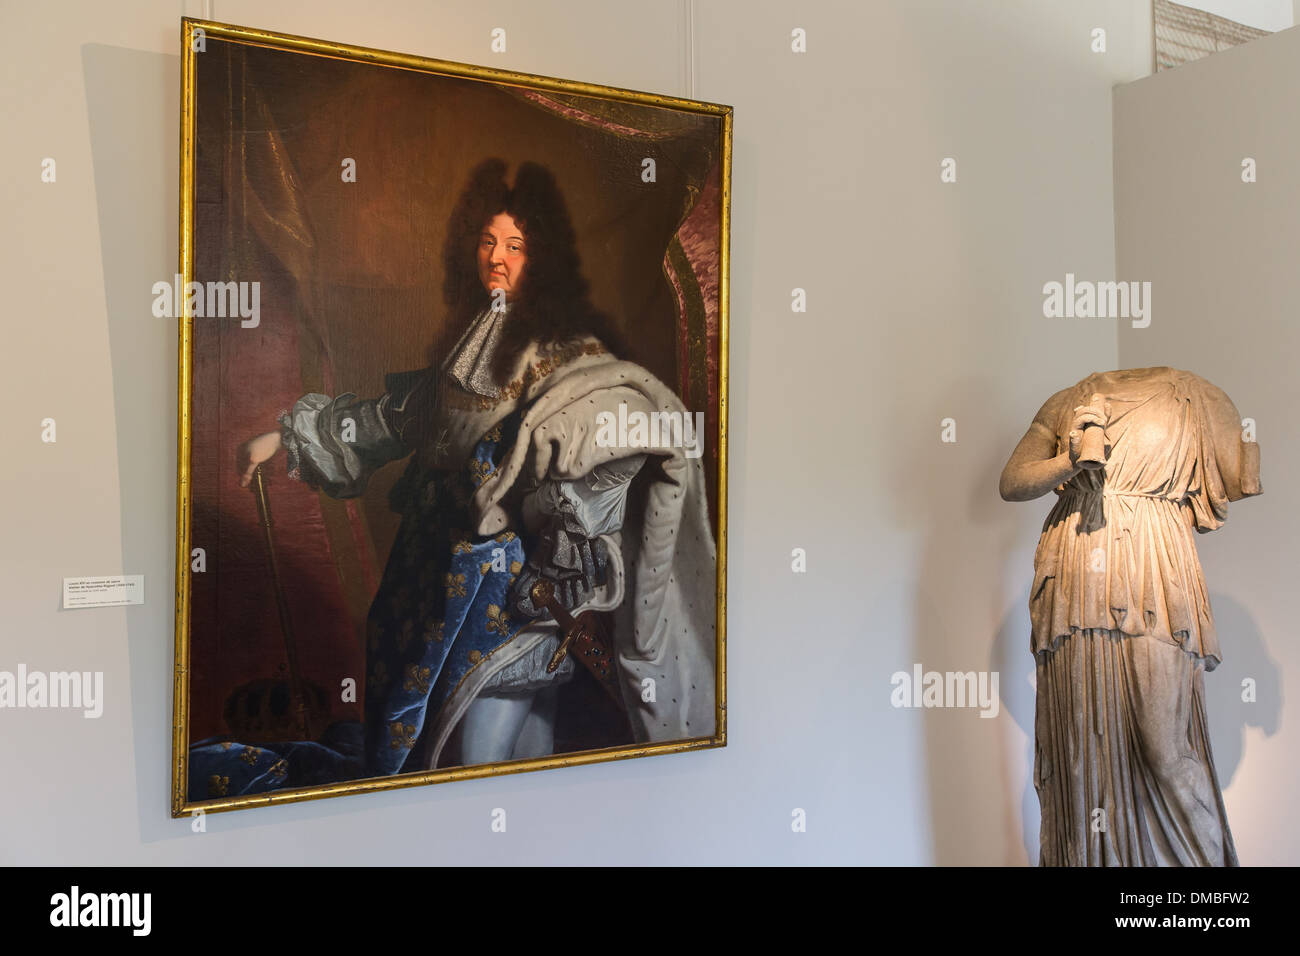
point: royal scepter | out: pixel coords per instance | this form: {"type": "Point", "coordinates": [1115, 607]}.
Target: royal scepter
{"type": "Point", "coordinates": [286, 627]}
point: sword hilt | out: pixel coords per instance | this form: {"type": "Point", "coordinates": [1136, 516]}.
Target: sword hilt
{"type": "Point", "coordinates": [543, 594]}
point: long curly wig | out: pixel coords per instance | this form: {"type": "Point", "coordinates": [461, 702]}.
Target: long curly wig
{"type": "Point", "coordinates": [553, 304]}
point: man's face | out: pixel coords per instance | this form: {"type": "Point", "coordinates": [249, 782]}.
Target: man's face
{"type": "Point", "coordinates": [501, 256]}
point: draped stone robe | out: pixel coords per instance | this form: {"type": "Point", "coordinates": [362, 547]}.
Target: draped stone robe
{"type": "Point", "coordinates": [1122, 629]}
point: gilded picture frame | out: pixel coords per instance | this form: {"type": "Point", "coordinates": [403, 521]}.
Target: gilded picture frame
{"type": "Point", "coordinates": [321, 178]}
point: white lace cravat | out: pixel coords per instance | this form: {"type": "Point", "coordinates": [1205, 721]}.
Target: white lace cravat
{"type": "Point", "coordinates": [470, 362]}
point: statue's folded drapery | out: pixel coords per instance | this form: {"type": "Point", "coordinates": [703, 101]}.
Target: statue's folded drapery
{"type": "Point", "coordinates": [1123, 632]}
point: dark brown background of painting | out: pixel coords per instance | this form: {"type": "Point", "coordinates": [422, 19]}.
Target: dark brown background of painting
{"type": "Point", "coordinates": [374, 251]}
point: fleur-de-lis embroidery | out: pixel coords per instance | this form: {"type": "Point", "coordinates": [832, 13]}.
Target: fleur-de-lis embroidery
{"type": "Point", "coordinates": [279, 770]}
{"type": "Point", "coordinates": [405, 634]}
{"type": "Point", "coordinates": [498, 621]}
{"type": "Point", "coordinates": [485, 567]}
{"type": "Point", "coordinates": [455, 585]}
{"type": "Point", "coordinates": [250, 755]}
{"type": "Point", "coordinates": [227, 744]}
{"type": "Point", "coordinates": [479, 470]}
{"type": "Point", "coordinates": [403, 735]}
{"type": "Point", "coordinates": [475, 656]}
{"type": "Point", "coordinates": [505, 536]}
{"type": "Point", "coordinates": [441, 445]}
{"type": "Point", "coordinates": [417, 678]}
{"type": "Point", "coordinates": [401, 602]}
{"type": "Point", "coordinates": [462, 546]}
{"type": "Point", "coordinates": [433, 632]}
{"type": "Point", "coordinates": [493, 434]}
{"type": "Point", "coordinates": [515, 567]}
{"type": "Point", "coordinates": [217, 785]}
{"type": "Point", "coordinates": [460, 493]}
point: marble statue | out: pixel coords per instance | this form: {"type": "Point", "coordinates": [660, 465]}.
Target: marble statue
{"type": "Point", "coordinates": [1122, 631]}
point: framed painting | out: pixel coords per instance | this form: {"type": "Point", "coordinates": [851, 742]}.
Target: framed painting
{"type": "Point", "coordinates": [452, 464]}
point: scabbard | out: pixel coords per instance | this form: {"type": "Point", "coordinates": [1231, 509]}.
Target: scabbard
{"type": "Point", "coordinates": [585, 638]}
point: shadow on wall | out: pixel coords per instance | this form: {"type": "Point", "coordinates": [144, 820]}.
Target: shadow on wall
{"type": "Point", "coordinates": [132, 105]}
{"type": "Point", "coordinates": [968, 537]}
{"type": "Point", "coordinates": [1011, 656]}
{"type": "Point", "coordinates": [1245, 656]}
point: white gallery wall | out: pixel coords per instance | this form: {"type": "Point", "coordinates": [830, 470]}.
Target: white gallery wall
{"type": "Point", "coordinates": [924, 304]}
{"type": "Point", "coordinates": [1220, 254]}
